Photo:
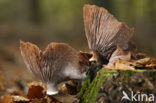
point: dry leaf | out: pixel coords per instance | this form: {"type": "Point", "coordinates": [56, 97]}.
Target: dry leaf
{"type": "Point", "coordinates": [51, 99]}
{"type": "Point", "coordinates": [121, 66]}
{"type": "Point", "coordinates": [36, 90]}
{"type": "Point", "coordinates": [144, 61]}
{"type": "Point", "coordinates": [69, 87]}
{"type": "Point", "coordinates": [140, 56]}
{"type": "Point", "coordinates": [152, 65]}
{"type": "Point", "coordinates": [14, 99]}
{"type": "Point", "coordinates": [42, 100]}
{"type": "Point", "coordinates": [119, 54]}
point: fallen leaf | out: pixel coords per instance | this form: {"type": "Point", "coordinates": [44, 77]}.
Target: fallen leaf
{"type": "Point", "coordinates": [121, 66]}
{"type": "Point", "coordinates": [69, 87]}
{"type": "Point", "coordinates": [119, 54]}
{"type": "Point", "coordinates": [36, 90]}
{"type": "Point", "coordinates": [140, 56]}
{"type": "Point", "coordinates": [14, 99]}
{"type": "Point", "coordinates": [144, 61]}
{"type": "Point", "coordinates": [152, 66]}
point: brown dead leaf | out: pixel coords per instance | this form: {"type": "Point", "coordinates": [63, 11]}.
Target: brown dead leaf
{"type": "Point", "coordinates": [152, 65]}
{"type": "Point", "coordinates": [5, 99]}
{"type": "Point", "coordinates": [119, 54]}
{"type": "Point", "coordinates": [108, 67]}
{"type": "Point", "coordinates": [121, 66]}
{"type": "Point", "coordinates": [14, 99]}
{"type": "Point", "coordinates": [69, 87]}
{"type": "Point", "coordinates": [51, 99]}
{"type": "Point", "coordinates": [144, 61]}
{"type": "Point", "coordinates": [20, 99]}
{"type": "Point", "coordinates": [36, 90]}
{"type": "Point", "coordinates": [42, 100]}
{"type": "Point", "coordinates": [84, 59]}
{"type": "Point", "coordinates": [140, 56]}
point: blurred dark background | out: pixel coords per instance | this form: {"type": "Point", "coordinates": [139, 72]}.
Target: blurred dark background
{"type": "Point", "coordinates": [45, 21]}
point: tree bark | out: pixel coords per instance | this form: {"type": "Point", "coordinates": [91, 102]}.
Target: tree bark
{"type": "Point", "coordinates": [108, 86]}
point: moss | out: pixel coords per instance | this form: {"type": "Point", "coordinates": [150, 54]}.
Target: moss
{"type": "Point", "coordinates": [85, 85]}
{"type": "Point", "coordinates": [89, 91]}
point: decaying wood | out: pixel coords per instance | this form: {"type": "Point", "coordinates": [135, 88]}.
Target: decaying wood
{"type": "Point", "coordinates": [109, 39]}
{"type": "Point", "coordinates": [36, 90]}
